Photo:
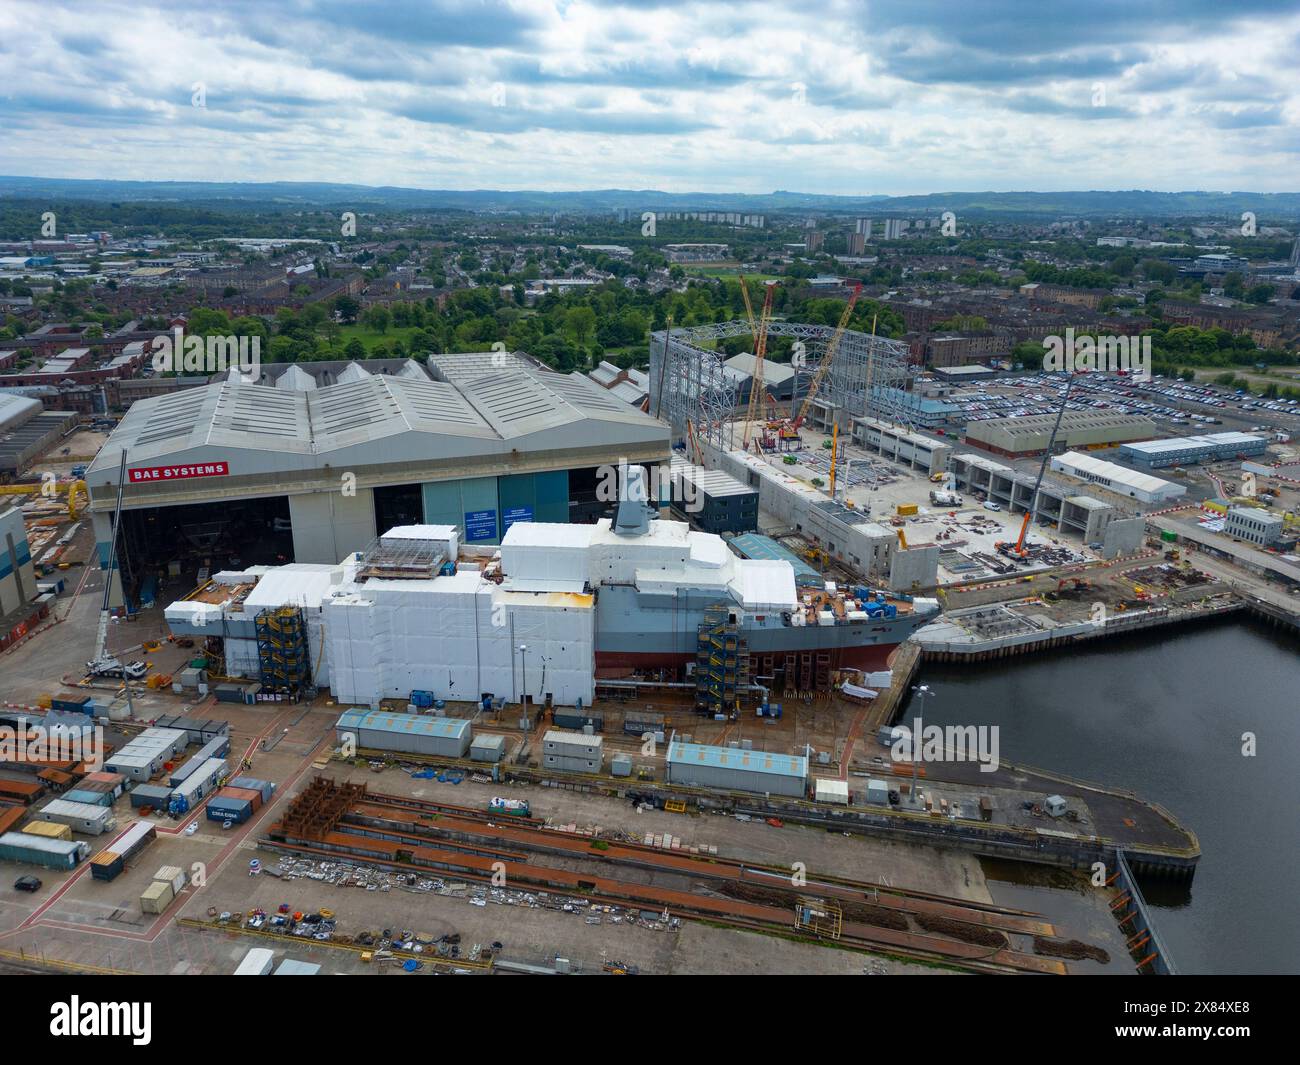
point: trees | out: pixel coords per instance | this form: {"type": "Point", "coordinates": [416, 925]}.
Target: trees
{"type": "Point", "coordinates": [581, 322]}
{"type": "Point", "coordinates": [1159, 271]}
{"type": "Point", "coordinates": [347, 308]}
{"type": "Point", "coordinates": [377, 319]}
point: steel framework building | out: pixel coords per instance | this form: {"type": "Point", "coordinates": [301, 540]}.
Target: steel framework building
{"type": "Point", "coordinates": [688, 381]}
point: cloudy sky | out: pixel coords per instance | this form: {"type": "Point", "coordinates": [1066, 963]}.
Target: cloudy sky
{"type": "Point", "coordinates": [877, 96]}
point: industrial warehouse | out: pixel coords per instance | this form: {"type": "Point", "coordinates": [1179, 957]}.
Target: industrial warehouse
{"type": "Point", "coordinates": [237, 474]}
{"type": "Point", "coordinates": [1024, 436]}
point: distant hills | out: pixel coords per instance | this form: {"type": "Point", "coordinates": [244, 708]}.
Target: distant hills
{"type": "Point", "coordinates": [288, 195]}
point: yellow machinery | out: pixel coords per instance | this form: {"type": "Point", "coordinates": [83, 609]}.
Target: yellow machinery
{"type": "Point", "coordinates": [71, 487]}
{"type": "Point", "coordinates": [902, 538]}
{"type": "Point", "coordinates": [825, 364]}
{"type": "Point", "coordinates": [759, 330]}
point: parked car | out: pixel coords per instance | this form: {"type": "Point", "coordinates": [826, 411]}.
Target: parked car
{"type": "Point", "coordinates": [27, 883]}
{"type": "Point", "coordinates": [990, 505]}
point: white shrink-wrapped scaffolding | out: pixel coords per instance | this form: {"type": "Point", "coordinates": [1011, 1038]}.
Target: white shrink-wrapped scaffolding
{"type": "Point", "coordinates": [459, 637]}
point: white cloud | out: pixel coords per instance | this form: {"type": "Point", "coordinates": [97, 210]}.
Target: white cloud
{"type": "Point", "coordinates": [681, 96]}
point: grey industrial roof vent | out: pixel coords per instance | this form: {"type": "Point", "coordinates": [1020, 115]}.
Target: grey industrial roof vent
{"type": "Point", "coordinates": [633, 518]}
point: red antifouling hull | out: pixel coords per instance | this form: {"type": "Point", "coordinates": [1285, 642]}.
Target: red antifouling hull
{"type": "Point", "coordinates": [613, 664]}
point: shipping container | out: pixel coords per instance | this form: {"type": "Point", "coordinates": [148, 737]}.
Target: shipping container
{"type": "Point", "coordinates": [250, 795]}
{"type": "Point", "coordinates": [221, 808]}
{"type": "Point", "coordinates": [48, 829]}
{"type": "Point", "coordinates": [74, 704]}
{"type": "Point", "coordinates": [152, 795]}
{"type": "Point", "coordinates": [11, 817]}
{"type": "Point", "coordinates": [37, 850]}
{"type": "Point", "coordinates": [265, 787]}
{"type": "Point", "coordinates": [24, 791]}
{"type": "Point", "coordinates": [156, 897]}
{"type": "Point", "coordinates": [576, 719]}
{"type": "Point", "coordinates": [86, 818]}
{"type": "Point", "coordinates": [173, 875]}
{"type": "Point", "coordinates": [90, 798]}
{"type": "Point", "coordinates": [106, 865]}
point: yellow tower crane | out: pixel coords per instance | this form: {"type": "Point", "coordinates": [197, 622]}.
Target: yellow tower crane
{"type": "Point", "coordinates": [825, 364]}
{"type": "Point", "coordinates": [759, 330]}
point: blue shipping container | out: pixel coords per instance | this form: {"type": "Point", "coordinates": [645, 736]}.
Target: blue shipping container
{"type": "Point", "coordinates": [236, 810]}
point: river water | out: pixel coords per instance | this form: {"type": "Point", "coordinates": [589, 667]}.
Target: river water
{"type": "Point", "coordinates": [1165, 716]}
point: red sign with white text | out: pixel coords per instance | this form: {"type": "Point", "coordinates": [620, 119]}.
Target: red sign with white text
{"type": "Point", "coordinates": [177, 473]}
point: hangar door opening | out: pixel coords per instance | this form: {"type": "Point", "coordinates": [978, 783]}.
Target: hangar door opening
{"type": "Point", "coordinates": [174, 548]}
{"type": "Point", "coordinates": [398, 504]}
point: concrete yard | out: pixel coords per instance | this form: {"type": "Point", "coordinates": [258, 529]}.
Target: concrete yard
{"type": "Point", "coordinates": [87, 923]}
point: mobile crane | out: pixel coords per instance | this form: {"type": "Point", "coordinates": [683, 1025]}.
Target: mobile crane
{"type": "Point", "coordinates": [1019, 549]}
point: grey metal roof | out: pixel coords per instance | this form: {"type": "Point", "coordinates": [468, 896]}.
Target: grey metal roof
{"type": "Point", "coordinates": [464, 366]}
{"type": "Point", "coordinates": [297, 378]}
{"type": "Point", "coordinates": [372, 419]}
{"type": "Point", "coordinates": [14, 410]}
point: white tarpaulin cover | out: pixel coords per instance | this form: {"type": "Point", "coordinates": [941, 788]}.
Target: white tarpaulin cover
{"type": "Point", "coordinates": [458, 637]}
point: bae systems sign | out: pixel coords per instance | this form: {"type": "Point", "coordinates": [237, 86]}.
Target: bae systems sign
{"type": "Point", "coordinates": [178, 473]}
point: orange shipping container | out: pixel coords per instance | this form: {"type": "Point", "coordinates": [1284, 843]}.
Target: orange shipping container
{"type": "Point", "coordinates": [24, 790]}
{"type": "Point", "coordinates": [10, 816]}
{"type": "Point", "coordinates": [251, 794]}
